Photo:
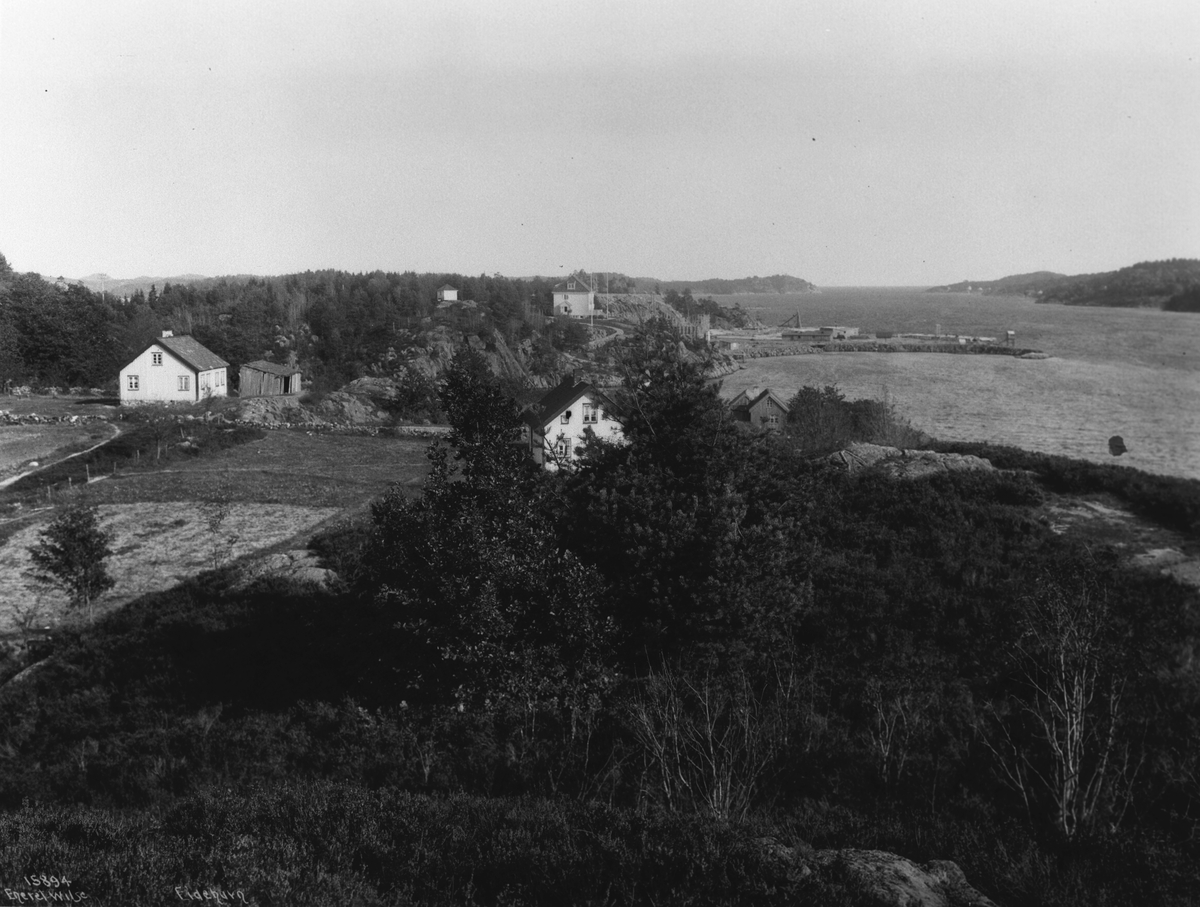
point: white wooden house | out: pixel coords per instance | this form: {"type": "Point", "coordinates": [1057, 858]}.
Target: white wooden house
{"type": "Point", "coordinates": [557, 426]}
{"type": "Point", "coordinates": [174, 370]}
{"type": "Point", "coordinates": [575, 296]}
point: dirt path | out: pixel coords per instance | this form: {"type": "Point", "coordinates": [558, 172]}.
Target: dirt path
{"type": "Point", "coordinates": [1102, 519]}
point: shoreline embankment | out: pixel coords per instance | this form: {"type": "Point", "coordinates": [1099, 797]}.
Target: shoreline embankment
{"type": "Point", "coordinates": [769, 349]}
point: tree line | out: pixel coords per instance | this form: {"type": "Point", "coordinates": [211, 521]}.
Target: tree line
{"type": "Point", "coordinates": [337, 325]}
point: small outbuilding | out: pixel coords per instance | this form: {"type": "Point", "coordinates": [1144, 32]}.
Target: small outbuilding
{"type": "Point", "coordinates": [261, 378]}
{"type": "Point", "coordinates": [447, 293]}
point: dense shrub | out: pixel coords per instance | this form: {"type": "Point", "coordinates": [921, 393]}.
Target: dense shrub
{"type": "Point", "coordinates": [1169, 501]}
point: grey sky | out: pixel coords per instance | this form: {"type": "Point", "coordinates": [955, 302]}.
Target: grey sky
{"type": "Point", "coordinates": [898, 142]}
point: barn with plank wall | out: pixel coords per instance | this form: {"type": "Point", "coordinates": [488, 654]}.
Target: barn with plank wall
{"type": "Point", "coordinates": [268, 379]}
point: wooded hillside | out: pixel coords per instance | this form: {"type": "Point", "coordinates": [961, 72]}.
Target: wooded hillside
{"type": "Point", "coordinates": [1171, 284]}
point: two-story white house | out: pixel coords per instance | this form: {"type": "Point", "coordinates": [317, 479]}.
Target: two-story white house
{"type": "Point", "coordinates": [174, 370]}
{"type": "Point", "coordinates": [556, 427]}
{"type": "Point", "coordinates": [575, 296]}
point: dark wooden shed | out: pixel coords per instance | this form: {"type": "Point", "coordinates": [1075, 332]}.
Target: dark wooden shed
{"type": "Point", "coordinates": [764, 410]}
{"type": "Point", "coordinates": [268, 379]}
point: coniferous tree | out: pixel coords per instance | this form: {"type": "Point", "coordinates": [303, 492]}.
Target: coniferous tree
{"type": "Point", "coordinates": [71, 554]}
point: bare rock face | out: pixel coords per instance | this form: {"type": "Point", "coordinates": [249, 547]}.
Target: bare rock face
{"type": "Point", "coordinates": [906, 464]}
{"type": "Point", "coordinates": [299, 565]}
{"type": "Point", "coordinates": [342, 408]}
{"type": "Point", "coordinates": [374, 387]}
{"type": "Point", "coordinates": [275, 411]}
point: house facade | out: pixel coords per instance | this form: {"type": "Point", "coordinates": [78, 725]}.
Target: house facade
{"type": "Point", "coordinates": [575, 296]}
{"type": "Point", "coordinates": [762, 409]}
{"type": "Point", "coordinates": [447, 294]}
{"type": "Point", "coordinates": [174, 370]}
{"type": "Point", "coordinates": [563, 419]}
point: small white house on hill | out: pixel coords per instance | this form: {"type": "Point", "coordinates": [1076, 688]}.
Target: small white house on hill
{"type": "Point", "coordinates": [575, 296]}
{"type": "Point", "coordinates": [560, 422]}
{"type": "Point", "coordinates": [174, 370]}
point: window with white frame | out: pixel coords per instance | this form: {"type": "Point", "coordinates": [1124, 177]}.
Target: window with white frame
{"type": "Point", "coordinates": [185, 382]}
{"type": "Point", "coordinates": [565, 417]}
{"type": "Point", "coordinates": [591, 414]}
{"type": "Point", "coordinates": [773, 419]}
{"type": "Point", "coordinates": [156, 358]}
{"type": "Point", "coordinates": [562, 448]}
{"type": "Point", "coordinates": [133, 382]}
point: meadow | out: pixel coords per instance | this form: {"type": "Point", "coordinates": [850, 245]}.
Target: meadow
{"type": "Point", "coordinates": [276, 491]}
{"type": "Point", "coordinates": [20, 444]}
{"type": "Point", "coordinates": [1133, 373]}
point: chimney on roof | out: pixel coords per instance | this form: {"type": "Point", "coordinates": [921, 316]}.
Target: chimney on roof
{"type": "Point", "coordinates": [168, 333]}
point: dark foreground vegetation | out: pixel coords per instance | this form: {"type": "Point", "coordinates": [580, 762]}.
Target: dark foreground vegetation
{"type": "Point", "coordinates": [613, 685]}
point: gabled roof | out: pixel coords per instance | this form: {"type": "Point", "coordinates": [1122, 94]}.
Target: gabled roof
{"type": "Point", "coordinates": [559, 399]}
{"type": "Point", "coordinates": [742, 399]}
{"type": "Point", "coordinates": [272, 368]}
{"type": "Point", "coordinates": [192, 352]}
{"type": "Point", "coordinates": [780, 402]}
{"type": "Point", "coordinates": [447, 287]}
{"type": "Point", "coordinates": [583, 283]}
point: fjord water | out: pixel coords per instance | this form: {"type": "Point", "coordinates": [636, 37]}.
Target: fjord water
{"type": "Point", "coordinates": [1128, 372]}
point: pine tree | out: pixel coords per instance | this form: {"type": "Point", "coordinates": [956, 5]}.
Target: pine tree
{"type": "Point", "coordinates": [70, 554]}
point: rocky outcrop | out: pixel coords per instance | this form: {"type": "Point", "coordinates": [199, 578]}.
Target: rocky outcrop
{"type": "Point", "coordinates": [906, 464]}
{"type": "Point", "coordinates": [275, 411]}
{"type": "Point", "coordinates": [435, 354]}
{"type": "Point", "coordinates": [877, 878]}
{"type": "Point", "coordinates": [299, 565]}
{"type": "Point", "coordinates": [343, 408]}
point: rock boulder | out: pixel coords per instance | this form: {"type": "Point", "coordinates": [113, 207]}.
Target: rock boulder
{"type": "Point", "coordinates": [906, 464]}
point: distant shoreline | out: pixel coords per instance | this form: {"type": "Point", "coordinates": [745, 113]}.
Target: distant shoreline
{"type": "Point", "coordinates": [765, 351]}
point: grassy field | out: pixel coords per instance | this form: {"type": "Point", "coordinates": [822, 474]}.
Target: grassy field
{"type": "Point", "coordinates": [279, 489]}
{"type": "Point", "coordinates": [59, 406]}
{"type": "Point", "coordinates": [285, 467]}
{"type": "Point", "coordinates": [19, 444]}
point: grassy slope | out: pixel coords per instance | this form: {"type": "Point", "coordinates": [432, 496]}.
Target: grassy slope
{"type": "Point", "coordinates": [279, 485]}
{"type": "Point", "coordinates": [21, 443]}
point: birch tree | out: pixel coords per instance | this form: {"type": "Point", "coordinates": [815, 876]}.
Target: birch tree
{"type": "Point", "coordinates": [1060, 741]}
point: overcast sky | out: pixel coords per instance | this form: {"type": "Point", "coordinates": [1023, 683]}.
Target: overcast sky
{"type": "Point", "coordinates": [846, 142]}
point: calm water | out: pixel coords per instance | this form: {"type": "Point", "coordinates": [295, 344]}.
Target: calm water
{"type": "Point", "coordinates": [1128, 372]}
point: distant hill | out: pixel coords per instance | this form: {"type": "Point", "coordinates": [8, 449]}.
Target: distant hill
{"type": "Point", "coordinates": [1015, 285]}
{"type": "Point", "coordinates": [775, 284]}
{"type": "Point", "coordinates": [1148, 284]}
{"type": "Point", "coordinates": [1172, 284]}
{"type": "Point", "coordinates": [127, 286]}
